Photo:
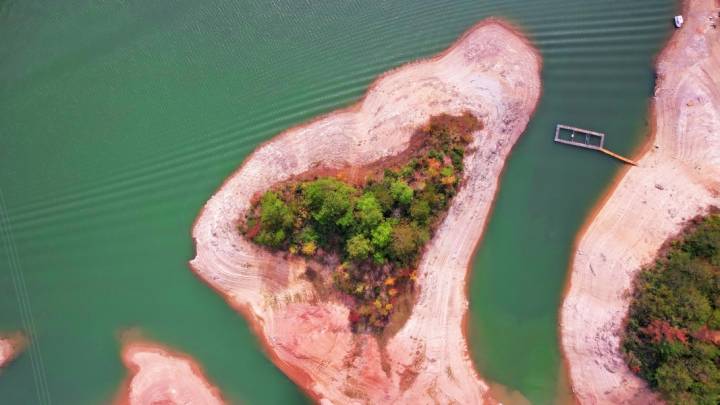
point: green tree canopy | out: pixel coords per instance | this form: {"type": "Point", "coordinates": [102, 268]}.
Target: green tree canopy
{"type": "Point", "coordinates": [276, 214]}
{"type": "Point", "coordinates": [369, 213]}
{"type": "Point", "coordinates": [358, 247]}
{"type": "Point", "coordinates": [381, 191]}
{"type": "Point", "coordinates": [330, 202]}
{"type": "Point", "coordinates": [381, 235]}
{"type": "Point", "coordinates": [401, 192]}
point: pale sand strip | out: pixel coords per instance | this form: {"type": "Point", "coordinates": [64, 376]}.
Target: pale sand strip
{"type": "Point", "coordinates": [677, 178]}
{"type": "Point", "coordinates": [492, 72]}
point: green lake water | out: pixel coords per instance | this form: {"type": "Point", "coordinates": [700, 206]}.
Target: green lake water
{"type": "Point", "coordinates": [118, 119]}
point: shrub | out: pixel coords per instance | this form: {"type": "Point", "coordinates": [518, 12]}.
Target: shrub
{"type": "Point", "coordinates": [269, 238]}
{"type": "Point", "coordinates": [369, 213]}
{"type": "Point", "coordinates": [358, 247]}
{"type": "Point", "coordinates": [420, 210]}
{"type": "Point", "coordinates": [381, 235]}
{"type": "Point", "coordinates": [276, 214]}
{"type": "Point", "coordinates": [405, 241]}
{"type": "Point", "coordinates": [309, 248]}
{"type": "Point", "coordinates": [330, 202]}
{"type": "Point", "coordinates": [401, 192]}
{"type": "Point", "coordinates": [381, 191]}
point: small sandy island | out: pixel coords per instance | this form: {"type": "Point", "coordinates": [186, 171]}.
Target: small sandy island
{"type": "Point", "coordinates": [492, 72]}
{"type": "Point", "coordinates": [678, 178]}
{"type": "Point", "coordinates": [11, 345]}
{"type": "Point", "coordinates": [159, 375]}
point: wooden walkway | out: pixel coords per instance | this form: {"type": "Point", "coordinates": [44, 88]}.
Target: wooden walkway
{"type": "Point", "coordinates": [584, 138]}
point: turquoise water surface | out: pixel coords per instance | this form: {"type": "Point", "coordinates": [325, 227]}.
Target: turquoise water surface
{"type": "Point", "coordinates": [118, 119]}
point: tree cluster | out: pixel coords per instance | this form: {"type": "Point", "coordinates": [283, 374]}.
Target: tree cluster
{"type": "Point", "coordinates": [378, 228]}
{"type": "Point", "coordinates": [673, 330]}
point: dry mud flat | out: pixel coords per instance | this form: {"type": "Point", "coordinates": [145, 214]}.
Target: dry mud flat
{"type": "Point", "coordinates": [490, 71]}
{"type": "Point", "coordinates": [161, 376]}
{"type": "Point", "coordinates": [677, 178]}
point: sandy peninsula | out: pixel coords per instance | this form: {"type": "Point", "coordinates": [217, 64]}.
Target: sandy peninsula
{"type": "Point", "coordinates": [11, 345]}
{"type": "Point", "coordinates": [677, 178]}
{"type": "Point", "coordinates": [158, 375]}
{"type": "Point", "coordinates": [492, 72]}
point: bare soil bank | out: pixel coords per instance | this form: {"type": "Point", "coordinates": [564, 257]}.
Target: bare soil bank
{"type": "Point", "coordinates": [490, 71]}
{"type": "Point", "coordinates": [11, 345]}
{"type": "Point", "coordinates": [158, 374]}
{"type": "Point", "coordinates": [678, 178]}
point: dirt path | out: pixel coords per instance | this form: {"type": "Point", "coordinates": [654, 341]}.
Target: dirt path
{"type": "Point", "coordinates": [678, 177]}
{"type": "Point", "coordinates": [491, 71]}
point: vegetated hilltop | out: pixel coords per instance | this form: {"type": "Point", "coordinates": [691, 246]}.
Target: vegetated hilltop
{"type": "Point", "coordinates": [365, 239]}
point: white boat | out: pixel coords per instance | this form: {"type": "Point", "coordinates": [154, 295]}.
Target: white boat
{"type": "Point", "coordinates": [679, 21]}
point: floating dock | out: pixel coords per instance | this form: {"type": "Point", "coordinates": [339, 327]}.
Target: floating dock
{"type": "Point", "coordinates": [584, 138]}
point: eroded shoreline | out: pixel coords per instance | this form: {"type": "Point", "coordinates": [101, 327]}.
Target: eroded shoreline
{"type": "Point", "coordinates": [11, 346]}
{"type": "Point", "coordinates": [158, 374]}
{"type": "Point", "coordinates": [678, 178]}
{"type": "Point", "coordinates": [492, 72]}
